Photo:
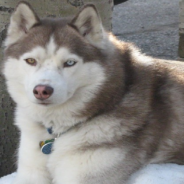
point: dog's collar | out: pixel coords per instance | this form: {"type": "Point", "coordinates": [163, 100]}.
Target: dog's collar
{"type": "Point", "coordinates": [49, 130]}
{"type": "Point", "coordinates": [46, 146]}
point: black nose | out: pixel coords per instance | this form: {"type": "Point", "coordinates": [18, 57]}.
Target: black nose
{"type": "Point", "coordinates": [42, 92]}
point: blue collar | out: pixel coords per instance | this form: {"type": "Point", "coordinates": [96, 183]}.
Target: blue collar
{"type": "Point", "coordinates": [49, 130]}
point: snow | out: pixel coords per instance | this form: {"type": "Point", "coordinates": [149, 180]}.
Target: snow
{"type": "Point", "coordinates": [152, 174]}
{"type": "Point", "coordinates": [159, 174]}
{"type": "Point", "coordinates": [7, 179]}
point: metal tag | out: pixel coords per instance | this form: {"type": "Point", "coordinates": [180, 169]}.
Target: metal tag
{"type": "Point", "coordinates": [46, 147]}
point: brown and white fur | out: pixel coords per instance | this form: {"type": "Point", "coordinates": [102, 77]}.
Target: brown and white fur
{"type": "Point", "coordinates": [120, 110]}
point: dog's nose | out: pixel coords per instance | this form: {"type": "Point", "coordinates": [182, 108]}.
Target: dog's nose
{"type": "Point", "coordinates": [42, 92]}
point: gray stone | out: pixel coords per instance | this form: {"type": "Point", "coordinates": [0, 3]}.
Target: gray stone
{"type": "Point", "coordinates": [151, 25]}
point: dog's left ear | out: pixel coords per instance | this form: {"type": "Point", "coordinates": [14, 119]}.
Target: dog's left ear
{"type": "Point", "coordinates": [88, 24]}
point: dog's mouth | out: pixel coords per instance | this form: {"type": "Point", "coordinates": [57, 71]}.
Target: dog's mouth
{"type": "Point", "coordinates": [44, 103]}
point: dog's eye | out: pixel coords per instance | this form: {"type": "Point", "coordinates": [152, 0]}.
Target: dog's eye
{"type": "Point", "coordinates": [70, 63]}
{"type": "Point", "coordinates": [31, 61]}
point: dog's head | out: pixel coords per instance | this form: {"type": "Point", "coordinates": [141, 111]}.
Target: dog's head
{"type": "Point", "coordinates": [50, 61]}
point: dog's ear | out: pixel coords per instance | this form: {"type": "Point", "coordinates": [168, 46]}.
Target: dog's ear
{"type": "Point", "coordinates": [22, 19]}
{"type": "Point", "coordinates": [88, 24]}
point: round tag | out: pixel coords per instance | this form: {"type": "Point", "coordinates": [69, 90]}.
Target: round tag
{"type": "Point", "coordinates": [47, 148]}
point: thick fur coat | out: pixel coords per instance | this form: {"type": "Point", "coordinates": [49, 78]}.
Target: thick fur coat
{"type": "Point", "coordinates": [112, 109]}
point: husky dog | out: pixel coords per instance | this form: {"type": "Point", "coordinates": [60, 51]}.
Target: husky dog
{"type": "Point", "coordinates": [90, 109]}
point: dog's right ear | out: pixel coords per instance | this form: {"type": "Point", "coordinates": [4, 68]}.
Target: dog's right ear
{"type": "Point", "coordinates": [21, 21]}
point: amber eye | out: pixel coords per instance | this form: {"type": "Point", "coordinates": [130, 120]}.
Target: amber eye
{"type": "Point", "coordinates": [31, 61]}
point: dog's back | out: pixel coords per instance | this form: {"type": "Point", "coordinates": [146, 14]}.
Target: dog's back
{"type": "Point", "coordinates": [154, 95]}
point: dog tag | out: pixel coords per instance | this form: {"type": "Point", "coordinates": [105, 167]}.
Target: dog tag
{"type": "Point", "coordinates": [46, 147]}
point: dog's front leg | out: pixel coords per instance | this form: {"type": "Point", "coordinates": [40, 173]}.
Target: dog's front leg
{"type": "Point", "coordinates": [31, 161]}
{"type": "Point", "coordinates": [70, 164]}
